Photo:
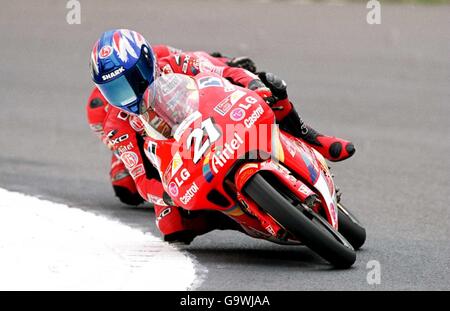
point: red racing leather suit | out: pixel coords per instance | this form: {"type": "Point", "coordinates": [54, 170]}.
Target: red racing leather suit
{"type": "Point", "coordinates": [123, 134]}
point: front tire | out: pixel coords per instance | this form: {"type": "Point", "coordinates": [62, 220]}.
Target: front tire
{"type": "Point", "coordinates": [310, 231]}
{"type": "Point", "coordinates": [350, 228]}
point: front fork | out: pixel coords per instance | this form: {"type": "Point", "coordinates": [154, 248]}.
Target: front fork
{"type": "Point", "coordinates": [267, 222]}
{"type": "Point", "coordinates": [283, 175]}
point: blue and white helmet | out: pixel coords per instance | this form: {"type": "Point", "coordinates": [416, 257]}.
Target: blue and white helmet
{"type": "Point", "coordinates": [123, 66]}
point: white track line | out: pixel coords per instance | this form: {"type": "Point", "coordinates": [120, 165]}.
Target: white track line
{"type": "Point", "coordinates": [50, 246]}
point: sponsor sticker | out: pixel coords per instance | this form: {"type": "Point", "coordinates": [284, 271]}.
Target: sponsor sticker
{"type": "Point", "coordinates": [163, 214]}
{"type": "Point", "coordinates": [237, 114]}
{"type": "Point", "coordinates": [178, 181]}
{"type": "Point", "coordinates": [105, 52]}
{"type": "Point", "coordinates": [119, 139]}
{"type": "Point", "coordinates": [173, 189]}
{"type": "Point", "coordinates": [177, 59]}
{"type": "Point", "coordinates": [177, 163]}
{"type": "Point", "coordinates": [185, 63]}
{"type": "Point", "coordinates": [256, 114]}
{"type": "Point", "coordinates": [113, 74]}
{"type": "Point", "coordinates": [122, 149]}
{"type": "Point", "coordinates": [184, 175]}
{"type": "Point", "coordinates": [219, 159]}
{"type": "Point", "coordinates": [122, 115]}
{"type": "Point", "coordinates": [151, 154]}
{"type": "Point", "coordinates": [190, 193]}
{"type": "Point", "coordinates": [136, 124]}
{"type": "Point", "coordinates": [111, 134]}
{"type": "Point", "coordinates": [137, 171]}
{"type": "Point", "coordinates": [251, 100]}
{"type": "Point", "coordinates": [130, 159]}
{"type": "Point", "coordinates": [223, 107]}
{"type": "Point", "coordinates": [236, 96]}
{"type": "Point", "coordinates": [246, 171]}
{"type": "Point", "coordinates": [170, 84]}
{"type": "Point", "coordinates": [209, 82]}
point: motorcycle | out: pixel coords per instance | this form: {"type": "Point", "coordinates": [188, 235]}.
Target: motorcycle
{"type": "Point", "coordinates": [226, 153]}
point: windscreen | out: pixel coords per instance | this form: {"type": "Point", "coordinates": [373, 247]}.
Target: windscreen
{"type": "Point", "coordinates": [176, 97]}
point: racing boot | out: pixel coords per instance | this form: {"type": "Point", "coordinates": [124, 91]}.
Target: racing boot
{"type": "Point", "coordinates": [123, 184]}
{"type": "Point", "coordinates": [332, 148]}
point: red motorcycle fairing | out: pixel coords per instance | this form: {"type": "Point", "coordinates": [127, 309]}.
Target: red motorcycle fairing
{"type": "Point", "coordinates": [310, 166]}
{"type": "Point", "coordinates": [193, 164]}
{"type": "Point", "coordinates": [228, 124]}
{"type": "Point", "coordinates": [307, 176]}
{"type": "Point", "coordinates": [284, 176]}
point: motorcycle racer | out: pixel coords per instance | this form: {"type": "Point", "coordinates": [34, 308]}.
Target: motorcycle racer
{"type": "Point", "coordinates": [123, 66]}
{"type": "Point", "coordinates": [123, 184]}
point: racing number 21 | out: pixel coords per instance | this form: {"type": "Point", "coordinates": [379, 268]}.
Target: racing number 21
{"type": "Point", "coordinates": [196, 137]}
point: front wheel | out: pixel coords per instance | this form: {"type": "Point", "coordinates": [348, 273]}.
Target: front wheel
{"type": "Point", "coordinates": [350, 227]}
{"type": "Point", "coordinates": [313, 233]}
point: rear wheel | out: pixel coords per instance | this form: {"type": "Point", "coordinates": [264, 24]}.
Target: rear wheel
{"type": "Point", "coordinates": [307, 226]}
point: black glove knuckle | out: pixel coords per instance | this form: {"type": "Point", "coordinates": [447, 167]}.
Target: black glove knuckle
{"type": "Point", "coordinates": [255, 84]}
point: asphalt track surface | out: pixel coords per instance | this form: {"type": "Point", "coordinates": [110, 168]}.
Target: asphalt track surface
{"type": "Point", "coordinates": [385, 87]}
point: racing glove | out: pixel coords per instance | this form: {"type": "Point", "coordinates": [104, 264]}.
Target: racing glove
{"type": "Point", "coordinates": [280, 102]}
{"type": "Point", "coordinates": [261, 89]}
{"type": "Point", "coordinates": [275, 84]}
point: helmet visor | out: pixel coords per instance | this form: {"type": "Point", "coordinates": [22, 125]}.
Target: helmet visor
{"type": "Point", "coordinates": [118, 92]}
{"type": "Point", "coordinates": [126, 91]}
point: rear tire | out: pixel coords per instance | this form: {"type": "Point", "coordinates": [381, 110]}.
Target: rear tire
{"type": "Point", "coordinates": [310, 232]}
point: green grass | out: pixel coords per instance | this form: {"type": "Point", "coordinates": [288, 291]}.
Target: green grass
{"type": "Point", "coordinates": [426, 2]}
{"type": "Point", "coordinates": [410, 1]}
{"type": "Point", "coordinates": [417, 1]}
